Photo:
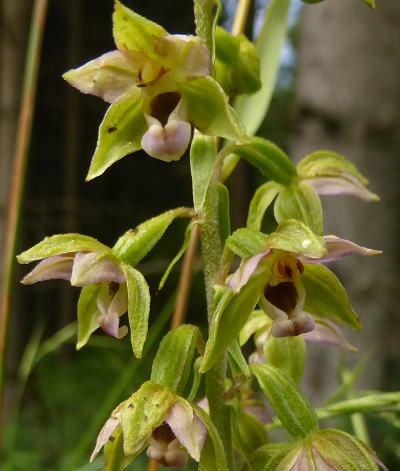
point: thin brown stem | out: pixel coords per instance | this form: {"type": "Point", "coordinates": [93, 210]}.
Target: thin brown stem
{"type": "Point", "coordinates": [24, 128]}
{"type": "Point", "coordinates": [239, 22]}
{"type": "Point", "coordinates": [152, 466]}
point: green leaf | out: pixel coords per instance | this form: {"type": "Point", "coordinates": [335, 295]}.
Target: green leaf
{"type": "Point", "coordinates": [287, 354]}
{"type": "Point", "coordinates": [326, 297]}
{"type": "Point", "coordinates": [177, 257]}
{"type": "Point", "coordinates": [213, 453]}
{"type": "Point", "coordinates": [138, 307]}
{"type": "Point", "coordinates": [226, 46]}
{"type": "Point", "coordinates": [268, 158]}
{"type": "Point", "coordinates": [135, 244]}
{"type": "Point", "coordinates": [236, 355]}
{"type": "Point", "coordinates": [294, 236]}
{"type": "Point", "coordinates": [114, 456]}
{"type": "Point", "coordinates": [246, 242]}
{"type": "Point", "coordinates": [224, 219]}
{"type": "Point", "coordinates": [263, 197]}
{"type": "Point", "coordinates": [300, 201]}
{"type": "Point", "coordinates": [231, 315]}
{"type": "Point", "coordinates": [62, 244]}
{"type": "Point", "coordinates": [257, 321]}
{"type": "Point", "coordinates": [203, 152]}
{"type": "Point", "coordinates": [288, 402]}
{"type": "Point", "coordinates": [120, 134]}
{"type": "Point", "coordinates": [133, 32]}
{"type": "Point", "coordinates": [206, 14]}
{"type": "Point", "coordinates": [149, 406]}
{"type": "Point", "coordinates": [173, 362]}
{"type": "Point", "coordinates": [208, 109]}
{"type": "Point", "coordinates": [252, 109]}
{"type": "Point", "coordinates": [251, 431]}
{"type": "Point", "coordinates": [88, 314]}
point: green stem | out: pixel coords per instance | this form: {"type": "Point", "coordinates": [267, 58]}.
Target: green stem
{"type": "Point", "coordinates": [215, 377]}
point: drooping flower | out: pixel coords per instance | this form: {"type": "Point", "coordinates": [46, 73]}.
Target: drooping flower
{"type": "Point", "coordinates": [283, 295]}
{"type": "Point", "coordinates": [156, 419]}
{"type": "Point", "coordinates": [158, 85]}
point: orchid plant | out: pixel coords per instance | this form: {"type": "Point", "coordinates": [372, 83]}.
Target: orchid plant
{"type": "Point", "coordinates": [169, 93]}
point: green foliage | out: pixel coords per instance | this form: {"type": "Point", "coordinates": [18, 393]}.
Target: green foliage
{"type": "Point", "coordinates": [287, 354]}
{"type": "Point", "coordinates": [246, 242]}
{"type": "Point", "coordinates": [206, 14]}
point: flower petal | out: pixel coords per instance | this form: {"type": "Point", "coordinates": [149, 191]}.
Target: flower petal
{"type": "Point", "coordinates": [187, 427]}
{"type": "Point", "coordinates": [57, 267]}
{"type": "Point", "coordinates": [245, 271]}
{"type": "Point", "coordinates": [91, 268]}
{"type": "Point", "coordinates": [327, 332]}
{"type": "Point", "coordinates": [109, 76]}
{"type": "Point", "coordinates": [344, 184]}
{"type": "Point", "coordinates": [104, 435]}
{"type": "Point", "coordinates": [338, 248]}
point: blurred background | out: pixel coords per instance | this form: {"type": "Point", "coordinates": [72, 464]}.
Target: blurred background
{"type": "Point", "coordinates": [338, 89]}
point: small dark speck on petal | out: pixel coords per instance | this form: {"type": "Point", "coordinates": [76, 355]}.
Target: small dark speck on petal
{"type": "Point", "coordinates": [112, 129]}
{"type": "Point", "coordinates": [131, 406]}
{"type": "Point", "coordinates": [111, 438]}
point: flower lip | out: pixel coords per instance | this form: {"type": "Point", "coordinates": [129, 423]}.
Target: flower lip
{"type": "Point", "coordinates": [163, 105]}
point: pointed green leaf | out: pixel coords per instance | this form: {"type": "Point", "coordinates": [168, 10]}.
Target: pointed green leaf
{"type": "Point", "coordinates": [224, 218]}
{"type": "Point", "coordinates": [213, 453]}
{"type": "Point", "coordinates": [294, 236]}
{"type": "Point", "coordinates": [288, 402]}
{"type": "Point", "coordinates": [299, 201]}
{"type": "Point", "coordinates": [136, 243]}
{"type": "Point", "coordinates": [326, 297]}
{"type": "Point", "coordinates": [120, 134]}
{"type": "Point", "coordinates": [62, 244]}
{"type": "Point", "coordinates": [287, 354]}
{"type": "Point", "coordinates": [206, 14]}
{"type": "Point", "coordinates": [263, 197]}
{"type": "Point", "coordinates": [236, 355]}
{"type": "Point", "coordinates": [203, 152]}
{"type": "Point", "coordinates": [133, 32]}
{"type": "Point", "coordinates": [138, 307]}
{"type": "Point", "coordinates": [253, 108]}
{"type": "Point", "coordinates": [173, 362]}
{"type": "Point", "coordinates": [246, 242]}
{"type": "Point", "coordinates": [88, 314]}
{"type": "Point", "coordinates": [231, 315]}
{"type": "Point", "coordinates": [208, 109]}
{"type": "Point", "coordinates": [177, 257]}
{"type": "Point", "coordinates": [114, 456]}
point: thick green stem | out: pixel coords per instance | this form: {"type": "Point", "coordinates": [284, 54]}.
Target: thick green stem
{"type": "Point", "coordinates": [215, 377]}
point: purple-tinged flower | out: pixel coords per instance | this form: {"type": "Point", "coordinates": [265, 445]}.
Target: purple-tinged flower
{"type": "Point", "coordinates": [155, 418]}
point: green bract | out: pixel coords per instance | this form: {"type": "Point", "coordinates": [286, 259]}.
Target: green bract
{"type": "Point", "coordinates": [154, 82]}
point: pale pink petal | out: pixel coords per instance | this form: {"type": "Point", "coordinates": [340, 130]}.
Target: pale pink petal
{"type": "Point", "coordinates": [258, 410]}
{"type": "Point", "coordinates": [294, 326]}
{"type": "Point", "coordinates": [168, 454]}
{"type": "Point", "coordinates": [256, 357]}
{"type": "Point", "coordinates": [110, 325]}
{"type": "Point", "coordinates": [338, 248]}
{"type": "Point", "coordinates": [302, 463]}
{"type": "Point", "coordinates": [104, 435]}
{"type": "Point", "coordinates": [245, 271]}
{"type": "Point", "coordinates": [58, 267]}
{"type": "Point", "coordinates": [90, 268]}
{"type": "Point", "coordinates": [187, 427]}
{"type": "Point", "coordinates": [321, 464]}
{"type": "Point", "coordinates": [327, 332]}
{"type": "Point", "coordinates": [109, 76]}
{"type": "Point", "coordinates": [341, 185]}
{"type": "Point", "coordinates": [112, 304]}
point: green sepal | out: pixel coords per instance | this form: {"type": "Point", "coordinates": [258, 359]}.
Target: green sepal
{"type": "Point", "coordinates": [294, 236]}
{"type": "Point", "coordinates": [262, 199]}
{"type": "Point", "coordinates": [326, 297]}
{"type": "Point", "coordinates": [287, 354]}
{"type": "Point", "coordinates": [257, 321]}
{"type": "Point", "coordinates": [135, 244]}
{"type": "Point", "coordinates": [246, 242]}
{"type": "Point", "coordinates": [236, 356]}
{"type": "Point", "coordinates": [120, 134]}
{"type": "Point", "coordinates": [206, 13]}
{"type": "Point", "coordinates": [138, 307]}
{"type": "Point", "coordinates": [300, 201]}
{"type": "Point", "coordinates": [284, 458]}
{"type": "Point", "coordinates": [177, 257]}
{"type": "Point", "coordinates": [62, 244]}
{"type": "Point", "coordinates": [133, 32]}
{"type": "Point", "coordinates": [114, 456]}
{"type": "Point", "coordinates": [231, 314]}
{"type": "Point", "coordinates": [88, 314]}
{"type": "Point", "coordinates": [226, 46]}
{"type": "Point", "coordinates": [145, 411]}
{"type": "Point", "coordinates": [224, 219]}
{"type": "Point", "coordinates": [208, 110]}
{"type": "Point", "coordinates": [288, 402]}
{"type": "Point", "coordinates": [263, 455]}
{"type": "Point", "coordinates": [173, 362]}
{"type": "Point", "coordinates": [253, 108]}
{"type": "Point", "coordinates": [213, 453]}
{"type": "Point", "coordinates": [203, 152]}
{"type": "Point", "coordinates": [268, 158]}
{"type": "Point", "coordinates": [196, 380]}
